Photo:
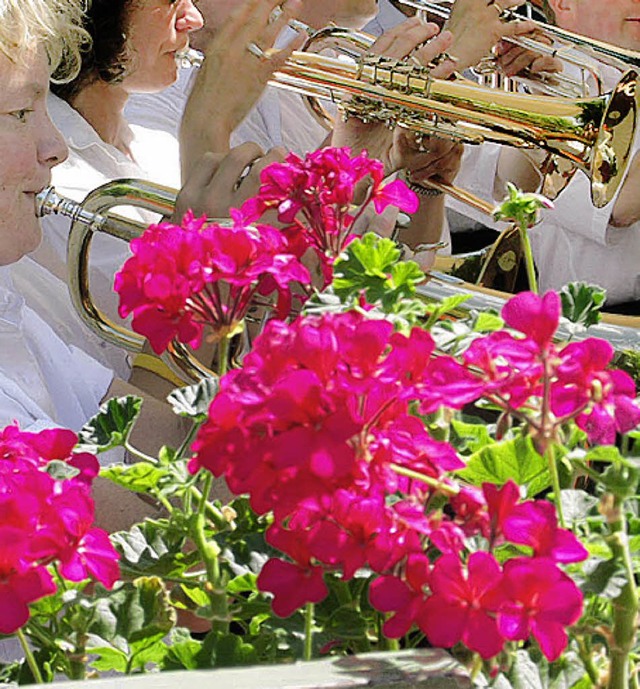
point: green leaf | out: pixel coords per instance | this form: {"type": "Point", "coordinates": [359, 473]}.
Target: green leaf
{"type": "Point", "coordinates": [109, 659]}
{"type": "Point", "coordinates": [193, 401]}
{"type": "Point", "coordinates": [448, 306]}
{"type": "Point", "coordinates": [346, 623]}
{"type": "Point", "coordinates": [511, 459]}
{"type": "Point", "coordinates": [487, 322]}
{"type": "Point", "coordinates": [582, 303]}
{"type": "Point", "coordinates": [524, 672]}
{"type": "Point", "coordinates": [60, 470]}
{"type": "Point", "coordinates": [604, 578]}
{"type": "Point", "coordinates": [183, 651]}
{"type": "Point", "coordinates": [141, 477]}
{"type": "Point", "coordinates": [131, 621]}
{"type": "Point", "coordinates": [111, 426]}
{"type": "Point", "coordinates": [468, 438]}
{"type": "Point", "coordinates": [576, 504]}
{"type": "Point", "coordinates": [225, 650]}
{"type": "Point", "coordinates": [371, 266]}
{"type": "Point", "coordinates": [153, 549]}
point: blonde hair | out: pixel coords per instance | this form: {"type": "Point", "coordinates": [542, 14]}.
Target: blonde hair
{"type": "Point", "coordinates": [54, 24]}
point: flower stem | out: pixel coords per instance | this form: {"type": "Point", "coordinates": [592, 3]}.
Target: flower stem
{"type": "Point", "coordinates": [223, 355]}
{"type": "Point", "coordinates": [625, 606]}
{"type": "Point", "coordinates": [528, 258]}
{"type": "Point", "coordinates": [308, 631]}
{"type": "Point", "coordinates": [28, 654]}
{"type": "Point", "coordinates": [209, 551]}
{"type": "Point", "coordinates": [555, 482]}
{"type": "Point", "coordinates": [429, 480]}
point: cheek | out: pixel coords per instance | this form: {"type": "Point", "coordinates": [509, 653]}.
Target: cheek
{"type": "Point", "coordinates": [20, 231]}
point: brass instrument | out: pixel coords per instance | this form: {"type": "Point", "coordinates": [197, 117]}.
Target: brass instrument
{"type": "Point", "coordinates": [594, 134]}
{"type": "Point", "coordinates": [94, 215]}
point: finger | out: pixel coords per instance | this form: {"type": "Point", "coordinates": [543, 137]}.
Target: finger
{"type": "Point", "coordinates": [200, 177]}
{"type": "Point", "coordinates": [235, 163]}
{"type": "Point", "coordinates": [269, 25]}
{"type": "Point", "coordinates": [436, 46]}
{"type": "Point", "coordinates": [250, 185]}
{"type": "Point", "coordinates": [520, 63]}
{"type": "Point", "coordinates": [404, 39]}
{"type": "Point", "coordinates": [547, 64]}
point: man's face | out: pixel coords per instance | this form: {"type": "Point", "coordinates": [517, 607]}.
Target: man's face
{"type": "Point", "coordinates": [613, 21]}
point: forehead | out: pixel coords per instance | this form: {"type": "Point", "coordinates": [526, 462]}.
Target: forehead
{"type": "Point", "coordinates": [29, 76]}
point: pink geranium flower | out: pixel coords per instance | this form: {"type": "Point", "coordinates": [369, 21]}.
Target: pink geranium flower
{"type": "Point", "coordinates": [462, 607]}
{"type": "Point", "coordinates": [45, 521]}
{"type": "Point", "coordinates": [540, 600]}
{"type": "Point", "coordinates": [181, 278]}
{"type": "Point", "coordinates": [292, 586]}
{"type": "Point", "coordinates": [315, 198]}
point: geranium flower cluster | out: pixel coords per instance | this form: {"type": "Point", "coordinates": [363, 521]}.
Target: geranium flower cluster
{"type": "Point", "coordinates": [478, 601]}
{"type": "Point", "coordinates": [318, 428]}
{"type": "Point", "coordinates": [45, 521]}
{"type": "Point", "coordinates": [569, 382]}
{"type": "Point", "coordinates": [183, 277]}
{"type": "Point", "coordinates": [314, 197]}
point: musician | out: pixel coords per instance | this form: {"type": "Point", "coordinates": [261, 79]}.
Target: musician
{"type": "Point", "coordinates": [44, 382]}
{"type": "Point", "coordinates": [577, 241]}
{"type": "Point", "coordinates": [133, 48]}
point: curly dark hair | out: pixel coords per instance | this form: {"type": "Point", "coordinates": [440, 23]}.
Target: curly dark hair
{"type": "Point", "coordinates": [107, 56]}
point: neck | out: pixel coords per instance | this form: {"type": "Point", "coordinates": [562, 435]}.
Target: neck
{"type": "Point", "coordinates": [102, 106]}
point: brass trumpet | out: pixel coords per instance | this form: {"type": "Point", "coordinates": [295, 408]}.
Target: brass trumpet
{"type": "Point", "coordinates": [594, 134]}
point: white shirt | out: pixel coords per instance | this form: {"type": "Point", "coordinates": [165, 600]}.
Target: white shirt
{"type": "Point", "coordinates": [576, 241]}
{"type": "Point", "coordinates": [43, 382]}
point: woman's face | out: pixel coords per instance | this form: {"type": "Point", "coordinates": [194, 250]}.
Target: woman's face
{"type": "Point", "coordinates": [29, 147]}
{"type": "Point", "coordinates": [156, 30]}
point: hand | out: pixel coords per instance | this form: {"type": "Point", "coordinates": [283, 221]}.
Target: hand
{"type": "Point", "coordinates": [219, 182]}
{"type": "Point", "coordinates": [514, 60]}
{"type": "Point", "coordinates": [232, 77]}
{"type": "Point", "coordinates": [425, 156]}
{"type": "Point", "coordinates": [477, 26]}
{"type": "Point", "coordinates": [412, 37]}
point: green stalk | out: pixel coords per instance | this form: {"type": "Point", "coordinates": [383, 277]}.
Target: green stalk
{"type": "Point", "coordinates": [430, 481]}
{"type": "Point", "coordinates": [625, 606]}
{"type": "Point", "coordinates": [555, 482]}
{"type": "Point", "coordinates": [528, 258]}
{"type": "Point", "coordinates": [223, 355]}
{"type": "Point", "coordinates": [308, 631]}
{"type": "Point", "coordinates": [28, 654]}
{"type": "Point", "coordinates": [209, 551]}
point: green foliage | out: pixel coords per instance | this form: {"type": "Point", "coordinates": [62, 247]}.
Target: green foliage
{"type": "Point", "coordinates": [129, 625]}
{"type": "Point", "coordinates": [511, 459]}
{"type": "Point", "coordinates": [520, 207]}
{"type": "Point", "coordinates": [582, 303]}
{"type": "Point", "coordinates": [193, 401]}
{"type": "Point", "coordinates": [370, 267]}
{"type": "Point", "coordinates": [111, 426]}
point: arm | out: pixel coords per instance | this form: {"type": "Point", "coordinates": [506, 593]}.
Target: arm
{"type": "Point", "coordinates": [231, 78]}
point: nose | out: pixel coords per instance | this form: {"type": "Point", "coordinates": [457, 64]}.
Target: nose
{"type": "Point", "coordinates": [189, 18]}
{"type": "Point", "coordinates": [52, 148]}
